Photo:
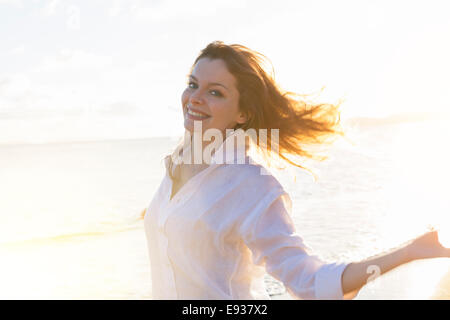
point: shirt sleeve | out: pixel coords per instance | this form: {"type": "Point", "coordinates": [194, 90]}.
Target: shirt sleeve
{"type": "Point", "coordinates": [272, 239]}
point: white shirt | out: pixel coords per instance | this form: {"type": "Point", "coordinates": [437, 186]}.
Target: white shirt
{"type": "Point", "coordinates": [220, 233]}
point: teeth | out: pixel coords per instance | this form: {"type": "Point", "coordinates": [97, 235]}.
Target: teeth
{"type": "Point", "coordinates": [196, 114]}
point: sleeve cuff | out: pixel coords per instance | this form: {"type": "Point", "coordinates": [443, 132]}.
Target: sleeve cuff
{"type": "Point", "coordinates": [328, 283]}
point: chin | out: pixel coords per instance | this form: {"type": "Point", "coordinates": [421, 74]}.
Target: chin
{"type": "Point", "coordinates": [189, 126]}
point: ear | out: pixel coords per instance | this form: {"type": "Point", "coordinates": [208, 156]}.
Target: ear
{"type": "Point", "coordinates": [242, 118]}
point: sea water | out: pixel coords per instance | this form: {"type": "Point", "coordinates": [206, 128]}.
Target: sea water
{"type": "Point", "coordinates": [71, 225]}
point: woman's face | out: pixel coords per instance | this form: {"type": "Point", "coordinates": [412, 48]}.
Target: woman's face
{"type": "Point", "coordinates": [212, 92]}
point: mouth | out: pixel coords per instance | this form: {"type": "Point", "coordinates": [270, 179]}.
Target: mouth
{"type": "Point", "coordinates": [196, 114]}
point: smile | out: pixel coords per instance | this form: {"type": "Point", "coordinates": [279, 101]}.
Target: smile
{"type": "Point", "coordinates": [195, 115]}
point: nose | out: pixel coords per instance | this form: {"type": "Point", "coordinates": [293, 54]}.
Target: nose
{"type": "Point", "coordinates": [195, 98]}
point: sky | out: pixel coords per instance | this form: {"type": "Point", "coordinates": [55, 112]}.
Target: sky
{"type": "Point", "coordinates": [109, 68]}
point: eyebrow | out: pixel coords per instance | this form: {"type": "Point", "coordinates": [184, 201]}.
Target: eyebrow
{"type": "Point", "coordinates": [211, 83]}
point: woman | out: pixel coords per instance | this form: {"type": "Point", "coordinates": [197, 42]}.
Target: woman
{"type": "Point", "coordinates": [217, 224]}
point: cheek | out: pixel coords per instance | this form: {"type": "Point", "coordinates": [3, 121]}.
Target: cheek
{"type": "Point", "coordinates": [221, 111]}
{"type": "Point", "coordinates": [184, 97]}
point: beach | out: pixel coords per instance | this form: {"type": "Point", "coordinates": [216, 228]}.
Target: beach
{"type": "Point", "coordinates": [71, 225]}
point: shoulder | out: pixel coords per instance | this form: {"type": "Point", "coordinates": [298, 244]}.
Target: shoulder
{"type": "Point", "coordinates": [248, 173]}
{"type": "Point", "coordinates": [252, 183]}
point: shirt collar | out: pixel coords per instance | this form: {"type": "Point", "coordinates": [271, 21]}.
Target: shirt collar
{"type": "Point", "coordinates": [233, 150]}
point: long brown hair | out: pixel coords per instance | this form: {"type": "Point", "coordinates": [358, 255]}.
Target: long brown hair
{"type": "Point", "coordinates": [302, 125]}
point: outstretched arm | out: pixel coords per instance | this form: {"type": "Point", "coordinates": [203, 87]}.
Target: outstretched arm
{"type": "Point", "coordinates": [355, 275]}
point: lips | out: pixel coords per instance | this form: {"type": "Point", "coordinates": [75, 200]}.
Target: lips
{"type": "Point", "coordinates": [197, 111]}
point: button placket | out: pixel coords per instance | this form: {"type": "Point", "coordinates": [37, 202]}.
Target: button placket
{"type": "Point", "coordinates": [168, 271]}
{"type": "Point", "coordinates": [165, 210]}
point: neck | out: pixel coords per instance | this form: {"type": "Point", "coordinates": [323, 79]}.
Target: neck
{"type": "Point", "coordinates": [198, 146]}
{"type": "Point", "coordinates": [195, 158]}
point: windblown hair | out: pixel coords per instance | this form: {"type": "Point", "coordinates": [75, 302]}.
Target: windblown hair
{"type": "Point", "coordinates": [302, 125]}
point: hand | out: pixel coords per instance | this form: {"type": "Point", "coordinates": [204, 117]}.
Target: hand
{"type": "Point", "coordinates": [427, 246]}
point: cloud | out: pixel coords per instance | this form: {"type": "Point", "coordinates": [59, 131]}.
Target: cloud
{"type": "Point", "coordinates": [74, 60]}
{"type": "Point", "coordinates": [119, 108]}
{"type": "Point", "coordinates": [115, 9]}
{"type": "Point", "coordinates": [17, 50]}
{"type": "Point", "coordinates": [14, 3]}
{"type": "Point", "coordinates": [14, 86]}
{"type": "Point", "coordinates": [64, 81]}
{"type": "Point", "coordinates": [159, 11]}
{"type": "Point", "coordinates": [50, 7]}
{"type": "Point", "coordinates": [168, 10]}
{"type": "Point", "coordinates": [72, 81]}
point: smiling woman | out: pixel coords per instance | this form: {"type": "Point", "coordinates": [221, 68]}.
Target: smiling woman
{"type": "Point", "coordinates": [211, 97]}
{"type": "Point", "coordinates": [245, 96]}
{"type": "Point", "coordinates": [214, 229]}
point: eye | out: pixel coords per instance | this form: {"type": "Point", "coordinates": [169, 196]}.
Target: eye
{"type": "Point", "coordinates": [192, 85]}
{"type": "Point", "coordinates": [216, 93]}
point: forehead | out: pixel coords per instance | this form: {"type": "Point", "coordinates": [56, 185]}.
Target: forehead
{"type": "Point", "coordinates": [215, 70]}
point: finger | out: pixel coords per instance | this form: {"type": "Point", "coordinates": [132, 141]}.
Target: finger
{"type": "Point", "coordinates": [435, 235]}
{"type": "Point", "coordinates": [445, 252]}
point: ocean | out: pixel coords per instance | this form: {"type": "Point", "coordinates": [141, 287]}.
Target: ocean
{"type": "Point", "coordinates": [71, 225]}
